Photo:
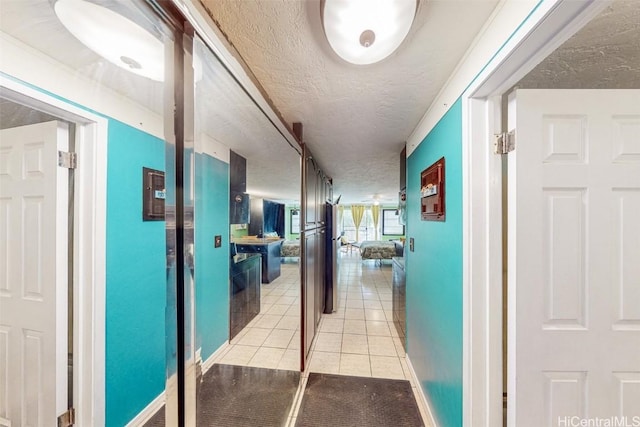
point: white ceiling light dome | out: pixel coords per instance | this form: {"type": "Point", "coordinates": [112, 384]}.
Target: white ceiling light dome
{"type": "Point", "coordinates": [114, 37]}
{"type": "Point", "coordinates": [366, 31]}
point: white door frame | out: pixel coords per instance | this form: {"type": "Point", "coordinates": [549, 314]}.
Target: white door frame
{"type": "Point", "coordinates": [89, 247]}
{"type": "Point", "coordinates": [547, 27]}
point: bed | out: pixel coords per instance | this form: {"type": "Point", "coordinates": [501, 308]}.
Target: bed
{"type": "Point", "coordinates": [379, 249]}
{"type": "Point", "coordinates": [290, 249]}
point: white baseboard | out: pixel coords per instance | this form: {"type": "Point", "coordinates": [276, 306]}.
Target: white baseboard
{"type": "Point", "coordinates": [157, 403]}
{"type": "Point", "coordinates": [148, 412]}
{"type": "Point", "coordinates": [207, 364]}
{"type": "Point", "coordinates": [423, 402]}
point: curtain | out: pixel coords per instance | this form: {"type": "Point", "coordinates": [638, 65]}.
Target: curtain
{"type": "Point", "coordinates": [375, 214]}
{"type": "Point", "coordinates": [357, 211]}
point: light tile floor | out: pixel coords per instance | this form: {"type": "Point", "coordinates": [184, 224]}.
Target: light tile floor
{"type": "Point", "coordinates": [272, 339]}
{"type": "Point", "coordinates": [359, 338]}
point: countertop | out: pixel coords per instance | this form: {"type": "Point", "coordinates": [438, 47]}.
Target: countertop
{"type": "Point", "coordinates": [264, 241]}
{"type": "Point", "coordinates": [237, 259]}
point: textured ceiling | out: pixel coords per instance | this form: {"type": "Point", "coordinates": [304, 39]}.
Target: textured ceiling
{"type": "Point", "coordinates": [14, 115]}
{"type": "Point", "coordinates": [605, 54]}
{"type": "Point", "coordinates": [224, 112]}
{"type": "Point", "coordinates": [355, 118]}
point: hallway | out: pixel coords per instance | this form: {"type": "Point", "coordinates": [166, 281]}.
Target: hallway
{"type": "Point", "coordinates": [358, 340]}
{"type": "Point", "coordinates": [360, 337]}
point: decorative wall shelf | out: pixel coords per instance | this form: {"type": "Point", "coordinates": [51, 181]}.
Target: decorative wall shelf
{"type": "Point", "coordinates": [432, 186]}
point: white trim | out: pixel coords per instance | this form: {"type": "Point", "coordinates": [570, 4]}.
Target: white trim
{"type": "Point", "coordinates": [27, 64]}
{"type": "Point", "coordinates": [547, 28]}
{"type": "Point", "coordinates": [148, 412]}
{"type": "Point", "coordinates": [500, 25]}
{"type": "Point", "coordinates": [221, 351]}
{"type": "Point", "coordinates": [89, 247]}
{"type": "Point", "coordinates": [62, 272]}
{"type": "Point", "coordinates": [551, 23]}
{"type": "Point", "coordinates": [421, 398]}
{"type": "Point", "coordinates": [482, 265]}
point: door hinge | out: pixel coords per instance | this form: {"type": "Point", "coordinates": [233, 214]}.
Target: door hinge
{"type": "Point", "coordinates": [504, 142]}
{"type": "Point", "coordinates": [67, 419]}
{"type": "Point", "coordinates": [67, 160]}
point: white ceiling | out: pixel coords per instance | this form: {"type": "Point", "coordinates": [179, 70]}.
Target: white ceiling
{"type": "Point", "coordinates": [355, 118]}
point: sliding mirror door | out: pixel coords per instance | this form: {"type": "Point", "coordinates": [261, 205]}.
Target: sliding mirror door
{"type": "Point", "coordinates": [152, 294]}
{"type": "Point", "coordinates": [94, 78]}
{"type": "Point", "coordinates": [247, 307]}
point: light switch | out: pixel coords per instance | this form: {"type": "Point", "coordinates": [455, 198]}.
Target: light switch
{"type": "Point", "coordinates": [217, 241]}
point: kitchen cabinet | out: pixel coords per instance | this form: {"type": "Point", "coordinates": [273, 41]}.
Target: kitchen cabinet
{"type": "Point", "coordinates": [269, 250]}
{"type": "Point", "coordinates": [245, 291]}
{"type": "Point", "coordinates": [399, 298]}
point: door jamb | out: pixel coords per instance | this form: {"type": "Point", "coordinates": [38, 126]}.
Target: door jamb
{"type": "Point", "coordinates": [548, 26]}
{"type": "Point", "coordinates": [89, 247]}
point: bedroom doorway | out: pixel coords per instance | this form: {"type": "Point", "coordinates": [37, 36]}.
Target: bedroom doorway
{"type": "Point", "coordinates": [46, 210]}
{"type": "Point", "coordinates": [568, 304]}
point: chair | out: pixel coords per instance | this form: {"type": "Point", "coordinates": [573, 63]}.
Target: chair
{"type": "Point", "coordinates": [346, 245]}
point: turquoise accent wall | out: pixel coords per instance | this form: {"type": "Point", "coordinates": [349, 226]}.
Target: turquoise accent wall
{"type": "Point", "coordinates": [135, 278]}
{"type": "Point", "coordinates": [434, 274]}
{"type": "Point", "coordinates": [212, 264]}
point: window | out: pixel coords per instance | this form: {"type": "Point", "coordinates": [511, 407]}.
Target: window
{"type": "Point", "coordinates": [295, 221]}
{"type": "Point", "coordinates": [391, 223]}
{"type": "Point", "coordinates": [366, 230]}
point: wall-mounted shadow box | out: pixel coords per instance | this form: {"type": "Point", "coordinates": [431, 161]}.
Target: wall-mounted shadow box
{"type": "Point", "coordinates": [153, 195]}
{"type": "Point", "coordinates": [432, 192]}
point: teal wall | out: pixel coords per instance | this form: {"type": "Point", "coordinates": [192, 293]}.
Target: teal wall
{"type": "Point", "coordinates": [212, 264]}
{"type": "Point", "coordinates": [135, 278]}
{"type": "Point", "coordinates": [434, 274]}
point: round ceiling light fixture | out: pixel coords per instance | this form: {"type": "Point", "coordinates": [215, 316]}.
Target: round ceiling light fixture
{"type": "Point", "coordinates": [366, 31]}
{"type": "Point", "coordinates": [114, 37]}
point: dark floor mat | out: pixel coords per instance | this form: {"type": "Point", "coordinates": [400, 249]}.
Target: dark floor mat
{"type": "Point", "coordinates": [157, 420]}
{"type": "Point", "coordinates": [242, 396]}
{"type": "Point", "coordinates": [337, 400]}
{"type": "Point", "coordinates": [239, 396]}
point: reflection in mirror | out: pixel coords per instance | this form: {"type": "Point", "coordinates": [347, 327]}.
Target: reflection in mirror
{"type": "Point", "coordinates": [126, 300]}
{"type": "Point", "coordinates": [117, 334]}
{"type": "Point", "coordinates": [247, 180]}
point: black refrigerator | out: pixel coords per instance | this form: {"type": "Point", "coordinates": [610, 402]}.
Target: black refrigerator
{"type": "Point", "coordinates": [332, 249]}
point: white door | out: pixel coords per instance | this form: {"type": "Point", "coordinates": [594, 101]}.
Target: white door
{"type": "Point", "coordinates": [574, 258]}
{"type": "Point", "coordinates": [33, 275]}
